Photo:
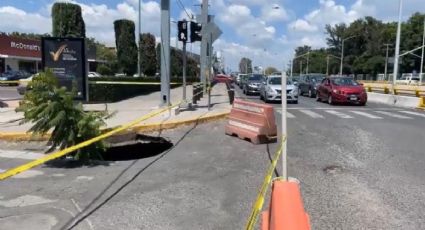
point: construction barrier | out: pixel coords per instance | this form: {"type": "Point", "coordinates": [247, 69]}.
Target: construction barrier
{"type": "Point", "coordinates": [286, 211]}
{"type": "Point", "coordinates": [252, 121]}
{"type": "Point", "coordinates": [422, 103]}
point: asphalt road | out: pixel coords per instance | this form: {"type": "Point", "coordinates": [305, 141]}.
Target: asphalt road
{"type": "Point", "coordinates": [359, 167]}
{"type": "Point", "coordinates": [9, 93]}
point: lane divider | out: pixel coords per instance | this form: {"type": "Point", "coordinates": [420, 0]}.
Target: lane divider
{"type": "Point", "coordinates": [32, 164]}
{"type": "Point", "coordinates": [258, 204]}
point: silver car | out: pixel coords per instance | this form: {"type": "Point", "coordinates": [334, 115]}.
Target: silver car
{"type": "Point", "coordinates": [271, 90]}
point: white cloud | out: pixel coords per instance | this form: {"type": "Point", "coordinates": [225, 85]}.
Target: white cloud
{"type": "Point", "coordinates": [302, 26]}
{"type": "Point", "coordinates": [275, 12]}
{"type": "Point", "coordinates": [21, 21]}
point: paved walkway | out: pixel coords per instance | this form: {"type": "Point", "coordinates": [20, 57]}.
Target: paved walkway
{"type": "Point", "coordinates": [133, 108]}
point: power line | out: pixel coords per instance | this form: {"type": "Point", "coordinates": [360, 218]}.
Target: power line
{"type": "Point", "coordinates": [190, 16]}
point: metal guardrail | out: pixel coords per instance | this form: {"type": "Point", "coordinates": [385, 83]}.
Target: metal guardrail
{"type": "Point", "coordinates": [399, 89]}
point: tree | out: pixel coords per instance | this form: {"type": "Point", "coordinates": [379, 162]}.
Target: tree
{"type": "Point", "coordinates": [67, 20]}
{"type": "Point", "coordinates": [51, 108]}
{"type": "Point", "coordinates": [126, 46]}
{"type": "Point", "coordinates": [148, 54]}
{"type": "Point", "coordinates": [245, 65]}
{"type": "Point", "coordinates": [270, 70]}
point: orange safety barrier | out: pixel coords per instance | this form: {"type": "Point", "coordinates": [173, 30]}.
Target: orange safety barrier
{"type": "Point", "coordinates": [286, 209]}
{"type": "Point", "coordinates": [252, 121]}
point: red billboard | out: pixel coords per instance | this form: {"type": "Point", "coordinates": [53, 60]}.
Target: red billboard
{"type": "Point", "coordinates": [14, 46]}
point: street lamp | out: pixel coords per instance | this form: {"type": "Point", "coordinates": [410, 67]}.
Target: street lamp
{"type": "Point", "coordinates": [422, 58]}
{"type": "Point", "coordinates": [327, 62]}
{"type": "Point", "coordinates": [342, 53]}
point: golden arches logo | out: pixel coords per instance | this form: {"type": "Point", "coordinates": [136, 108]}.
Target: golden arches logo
{"type": "Point", "coordinates": [55, 55]}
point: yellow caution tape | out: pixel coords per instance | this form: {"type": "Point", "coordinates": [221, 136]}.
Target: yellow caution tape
{"type": "Point", "coordinates": [128, 83]}
{"type": "Point", "coordinates": [71, 149]}
{"type": "Point", "coordinates": [258, 205]}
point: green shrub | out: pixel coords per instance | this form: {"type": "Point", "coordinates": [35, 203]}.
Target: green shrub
{"type": "Point", "coordinates": [104, 70]}
{"type": "Point", "coordinates": [51, 108]}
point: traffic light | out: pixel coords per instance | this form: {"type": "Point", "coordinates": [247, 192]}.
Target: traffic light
{"type": "Point", "coordinates": [182, 30]}
{"type": "Point", "coordinates": [195, 32]}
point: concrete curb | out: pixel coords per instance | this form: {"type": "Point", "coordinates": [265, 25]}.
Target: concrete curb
{"type": "Point", "coordinates": [395, 100]}
{"type": "Point", "coordinates": [153, 127]}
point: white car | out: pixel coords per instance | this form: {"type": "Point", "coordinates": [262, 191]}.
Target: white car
{"type": "Point", "coordinates": [408, 79]}
{"type": "Point", "coordinates": [271, 90]}
{"type": "Point", "coordinates": [94, 74]}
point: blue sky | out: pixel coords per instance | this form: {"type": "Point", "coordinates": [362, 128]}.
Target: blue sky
{"type": "Point", "coordinates": [266, 31]}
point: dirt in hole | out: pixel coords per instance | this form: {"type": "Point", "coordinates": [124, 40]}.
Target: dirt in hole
{"type": "Point", "coordinates": [135, 146]}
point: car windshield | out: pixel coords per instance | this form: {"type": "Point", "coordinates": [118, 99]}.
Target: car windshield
{"type": "Point", "coordinates": [255, 77]}
{"type": "Point", "coordinates": [275, 81]}
{"type": "Point", "coordinates": [344, 81]}
{"type": "Point", "coordinates": [317, 79]}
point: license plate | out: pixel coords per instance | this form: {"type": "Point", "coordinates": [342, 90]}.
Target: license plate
{"type": "Point", "coordinates": [353, 98]}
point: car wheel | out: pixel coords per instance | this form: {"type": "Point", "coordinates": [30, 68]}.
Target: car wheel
{"type": "Point", "coordinates": [265, 98]}
{"type": "Point", "coordinates": [318, 97]}
{"type": "Point", "coordinates": [362, 103]}
{"type": "Point", "coordinates": [261, 96]}
{"type": "Point", "coordinates": [330, 100]}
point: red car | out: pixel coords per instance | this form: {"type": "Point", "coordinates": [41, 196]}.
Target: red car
{"type": "Point", "coordinates": [341, 90]}
{"type": "Point", "coordinates": [221, 78]}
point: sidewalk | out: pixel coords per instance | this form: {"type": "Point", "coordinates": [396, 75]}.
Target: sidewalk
{"type": "Point", "coordinates": [133, 108]}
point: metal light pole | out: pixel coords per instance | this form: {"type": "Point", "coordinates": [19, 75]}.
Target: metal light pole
{"type": "Point", "coordinates": [422, 58]}
{"type": "Point", "coordinates": [342, 54]}
{"type": "Point", "coordinates": [386, 62]}
{"type": "Point", "coordinates": [292, 67]}
{"type": "Point", "coordinates": [165, 52]}
{"type": "Point", "coordinates": [139, 42]}
{"type": "Point", "coordinates": [308, 60]}
{"type": "Point", "coordinates": [301, 67]}
{"type": "Point", "coordinates": [397, 45]}
{"type": "Point", "coordinates": [327, 65]}
{"type": "Point", "coordinates": [284, 132]}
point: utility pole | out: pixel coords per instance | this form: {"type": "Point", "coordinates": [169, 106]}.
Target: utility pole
{"type": "Point", "coordinates": [422, 57]}
{"type": "Point", "coordinates": [204, 43]}
{"type": "Point", "coordinates": [165, 52]}
{"type": "Point", "coordinates": [139, 42]}
{"type": "Point", "coordinates": [386, 61]}
{"type": "Point", "coordinates": [397, 45]}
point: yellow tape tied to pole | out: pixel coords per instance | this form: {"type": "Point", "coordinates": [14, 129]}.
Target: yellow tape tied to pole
{"type": "Point", "coordinates": [258, 205]}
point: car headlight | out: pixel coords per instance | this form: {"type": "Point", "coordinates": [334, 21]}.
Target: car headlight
{"type": "Point", "coordinates": [270, 90]}
{"type": "Point", "coordinates": [3, 79]}
{"type": "Point", "coordinates": [336, 91]}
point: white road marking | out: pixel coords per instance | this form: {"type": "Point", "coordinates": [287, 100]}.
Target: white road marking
{"type": "Point", "coordinates": [393, 115]}
{"type": "Point", "coordinates": [339, 114]}
{"type": "Point", "coordinates": [366, 114]}
{"type": "Point", "coordinates": [413, 113]}
{"type": "Point", "coordinates": [311, 113]}
{"type": "Point", "coordinates": [288, 114]}
{"type": "Point", "coordinates": [23, 201]}
{"type": "Point", "coordinates": [20, 154]}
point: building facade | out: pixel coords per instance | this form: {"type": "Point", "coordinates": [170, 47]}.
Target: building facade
{"type": "Point", "coordinates": [19, 54]}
